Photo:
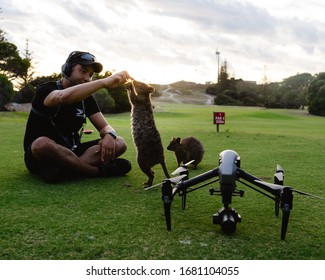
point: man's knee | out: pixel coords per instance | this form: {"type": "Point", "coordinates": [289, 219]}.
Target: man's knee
{"type": "Point", "coordinates": [121, 146]}
{"type": "Point", "coordinates": [42, 145]}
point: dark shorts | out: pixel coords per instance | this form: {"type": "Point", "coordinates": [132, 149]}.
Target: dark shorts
{"type": "Point", "coordinates": [37, 167]}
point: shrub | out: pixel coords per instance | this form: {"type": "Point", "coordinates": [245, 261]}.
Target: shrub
{"type": "Point", "coordinates": [105, 101]}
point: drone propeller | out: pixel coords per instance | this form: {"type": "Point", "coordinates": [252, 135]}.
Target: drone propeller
{"type": "Point", "coordinates": [176, 179]}
{"type": "Point", "coordinates": [173, 180]}
{"type": "Point", "coordinates": [308, 194]}
{"type": "Point", "coordinates": [278, 180]}
{"type": "Point", "coordinates": [279, 175]}
{"type": "Point", "coordinates": [182, 168]}
{"type": "Point", "coordinates": [276, 187]}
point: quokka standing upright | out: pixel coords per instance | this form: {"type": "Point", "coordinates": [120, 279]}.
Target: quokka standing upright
{"type": "Point", "coordinates": [145, 134]}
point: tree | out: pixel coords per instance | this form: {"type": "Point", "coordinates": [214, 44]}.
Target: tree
{"type": "Point", "coordinates": [6, 90]}
{"type": "Point", "coordinates": [2, 33]}
{"type": "Point", "coordinates": [16, 69]}
{"type": "Point", "coordinates": [27, 75]}
{"type": "Point", "coordinates": [26, 89]}
{"type": "Point", "coordinates": [224, 83]}
{"type": "Point", "coordinates": [223, 77]}
{"type": "Point", "coordinates": [117, 98]}
{"type": "Point", "coordinates": [264, 88]}
{"type": "Point", "coordinates": [316, 95]}
{"type": "Point", "coordinates": [290, 93]}
{"type": "Point", "coordinates": [11, 64]}
{"type": "Point", "coordinates": [295, 90]}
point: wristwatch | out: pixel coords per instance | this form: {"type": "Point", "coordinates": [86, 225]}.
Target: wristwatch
{"type": "Point", "coordinates": [112, 133]}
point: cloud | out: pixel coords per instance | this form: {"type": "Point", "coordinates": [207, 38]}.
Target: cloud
{"type": "Point", "coordinates": [164, 41]}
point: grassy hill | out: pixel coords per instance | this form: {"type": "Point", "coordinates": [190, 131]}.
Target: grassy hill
{"type": "Point", "coordinates": [183, 93]}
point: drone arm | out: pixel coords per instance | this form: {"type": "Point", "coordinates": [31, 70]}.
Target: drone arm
{"type": "Point", "coordinates": [273, 189]}
{"type": "Point", "coordinates": [256, 189]}
{"type": "Point", "coordinates": [195, 180]}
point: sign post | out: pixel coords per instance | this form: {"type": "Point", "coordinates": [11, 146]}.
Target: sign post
{"type": "Point", "coordinates": [219, 118]}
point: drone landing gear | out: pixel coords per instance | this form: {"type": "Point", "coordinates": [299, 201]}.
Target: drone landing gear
{"type": "Point", "coordinates": [167, 198]}
{"type": "Point", "coordinates": [227, 218]}
{"type": "Point", "coordinates": [286, 205]}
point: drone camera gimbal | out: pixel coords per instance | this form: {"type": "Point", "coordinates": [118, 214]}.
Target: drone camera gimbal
{"type": "Point", "coordinates": [227, 174]}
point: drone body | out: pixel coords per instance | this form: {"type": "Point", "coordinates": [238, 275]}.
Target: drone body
{"type": "Point", "coordinates": [228, 174]}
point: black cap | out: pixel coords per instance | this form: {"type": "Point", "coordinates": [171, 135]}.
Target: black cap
{"type": "Point", "coordinates": [84, 58]}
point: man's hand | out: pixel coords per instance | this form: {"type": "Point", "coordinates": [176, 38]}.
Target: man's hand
{"type": "Point", "coordinates": [118, 79]}
{"type": "Point", "coordinates": [107, 148]}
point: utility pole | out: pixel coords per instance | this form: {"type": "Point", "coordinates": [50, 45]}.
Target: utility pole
{"type": "Point", "coordinates": [218, 54]}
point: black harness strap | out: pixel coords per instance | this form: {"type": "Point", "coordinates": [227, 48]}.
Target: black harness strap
{"type": "Point", "coordinates": [72, 145]}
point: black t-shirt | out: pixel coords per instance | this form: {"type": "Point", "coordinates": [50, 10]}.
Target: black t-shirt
{"type": "Point", "coordinates": [61, 123]}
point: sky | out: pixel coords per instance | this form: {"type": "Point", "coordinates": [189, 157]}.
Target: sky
{"type": "Point", "coordinates": [164, 41]}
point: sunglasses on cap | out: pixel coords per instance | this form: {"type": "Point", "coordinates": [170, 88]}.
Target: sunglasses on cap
{"type": "Point", "coordinates": [81, 56]}
{"type": "Point", "coordinates": [84, 58]}
{"type": "Point", "coordinates": [87, 57]}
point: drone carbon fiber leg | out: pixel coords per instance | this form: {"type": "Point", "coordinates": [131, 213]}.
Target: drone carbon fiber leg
{"type": "Point", "coordinates": [183, 193]}
{"type": "Point", "coordinates": [286, 205]}
{"type": "Point", "coordinates": [167, 198]}
{"type": "Point", "coordinates": [285, 220]}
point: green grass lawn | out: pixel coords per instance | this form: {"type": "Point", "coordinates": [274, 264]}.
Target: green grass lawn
{"type": "Point", "coordinates": [117, 219]}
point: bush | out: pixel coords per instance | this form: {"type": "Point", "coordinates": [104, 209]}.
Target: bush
{"type": "Point", "coordinates": [223, 99]}
{"type": "Point", "coordinates": [105, 101]}
{"type": "Point", "coordinates": [249, 98]}
{"type": "Point", "coordinates": [120, 97]}
{"type": "Point", "coordinates": [113, 100]}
